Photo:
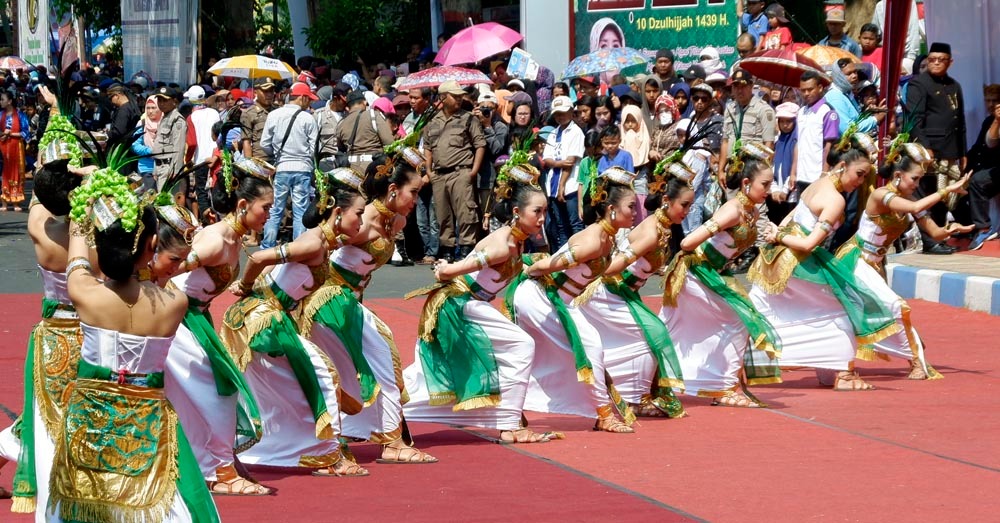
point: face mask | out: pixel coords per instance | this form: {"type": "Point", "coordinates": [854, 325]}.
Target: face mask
{"type": "Point", "coordinates": [603, 120]}
{"type": "Point", "coordinates": [666, 119]}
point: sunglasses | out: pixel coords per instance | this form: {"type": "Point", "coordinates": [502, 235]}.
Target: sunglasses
{"type": "Point", "coordinates": [701, 98]}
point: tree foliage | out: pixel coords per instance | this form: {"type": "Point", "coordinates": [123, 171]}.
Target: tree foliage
{"type": "Point", "coordinates": [372, 29]}
{"type": "Point", "coordinates": [279, 38]}
{"type": "Point", "coordinates": [99, 14]}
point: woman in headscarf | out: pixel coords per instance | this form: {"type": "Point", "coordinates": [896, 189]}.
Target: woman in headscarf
{"type": "Point", "coordinates": [635, 140]}
{"type": "Point", "coordinates": [664, 140]}
{"type": "Point", "coordinates": [143, 145]}
{"type": "Point", "coordinates": [711, 61]}
{"type": "Point", "coordinates": [681, 92]}
{"type": "Point", "coordinates": [651, 90]}
{"type": "Point", "coordinates": [605, 34]}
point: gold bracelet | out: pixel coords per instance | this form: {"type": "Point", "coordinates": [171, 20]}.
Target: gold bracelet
{"type": "Point", "coordinates": [781, 236]}
{"type": "Point", "coordinates": [943, 193]}
{"type": "Point", "coordinates": [712, 226]}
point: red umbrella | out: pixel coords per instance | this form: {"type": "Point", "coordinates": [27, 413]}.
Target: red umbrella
{"type": "Point", "coordinates": [436, 76]}
{"type": "Point", "coordinates": [13, 63]}
{"type": "Point", "coordinates": [476, 43]}
{"type": "Point", "coordinates": [782, 67]}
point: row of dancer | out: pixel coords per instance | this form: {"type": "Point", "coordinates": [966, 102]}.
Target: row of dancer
{"type": "Point", "coordinates": [576, 339]}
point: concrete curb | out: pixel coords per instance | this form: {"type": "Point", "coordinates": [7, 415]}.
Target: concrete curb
{"type": "Point", "coordinates": [977, 293]}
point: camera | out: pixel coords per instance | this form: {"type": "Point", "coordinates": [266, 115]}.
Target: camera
{"type": "Point", "coordinates": [486, 111]}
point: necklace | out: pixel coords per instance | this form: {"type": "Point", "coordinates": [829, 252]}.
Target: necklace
{"type": "Point", "coordinates": [746, 207]}
{"type": "Point", "coordinates": [837, 182]}
{"type": "Point", "coordinates": [663, 226]}
{"type": "Point", "coordinates": [234, 223]}
{"type": "Point", "coordinates": [387, 215]}
{"type": "Point", "coordinates": [518, 234]}
{"type": "Point", "coordinates": [145, 274]}
{"type": "Point", "coordinates": [607, 228]}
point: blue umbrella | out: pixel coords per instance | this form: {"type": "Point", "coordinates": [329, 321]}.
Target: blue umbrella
{"type": "Point", "coordinates": [602, 60]}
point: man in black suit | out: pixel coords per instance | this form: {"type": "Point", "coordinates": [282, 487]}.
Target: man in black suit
{"type": "Point", "coordinates": [937, 112]}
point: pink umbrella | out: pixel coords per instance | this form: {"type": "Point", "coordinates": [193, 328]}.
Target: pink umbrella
{"type": "Point", "coordinates": [476, 43]}
{"type": "Point", "coordinates": [13, 63]}
{"type": "Point", "coordinates": [436, 76]}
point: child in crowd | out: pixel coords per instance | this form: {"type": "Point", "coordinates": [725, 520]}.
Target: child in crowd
{"type": "Point", "coordinates": [614, 156]}
{"type": "Point", "coordinates": [870, 39]}
{"type": "Point", "coordinates": [779, 36]}
{"type": "Point", "coordinates": [635, 141]}
{"type": "Point", "coordinates": [783, 195]}
{"type": "Point", "coordinates": [589, 165]}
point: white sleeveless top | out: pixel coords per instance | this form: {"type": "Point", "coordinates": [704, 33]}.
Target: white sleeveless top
{"type": "Point", "coordinates": [204, 284]}
{"type": "Point", "coordinates": [296, 279]}
{"type": "Point", "coordinates": [117, 350]}
{"type": "Point", "coordinates": [54, 286]}
{"type": "Point", "coordinates": [804, 216]}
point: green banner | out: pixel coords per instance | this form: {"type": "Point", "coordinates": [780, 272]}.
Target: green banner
{"type": "Point", "coordinates": [683, 26]}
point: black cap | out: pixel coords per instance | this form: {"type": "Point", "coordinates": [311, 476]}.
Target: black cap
{"type": "Point", "coordinates": [167, 92]}
{"type": "Point", "coordinates": [665, 53]}
{"type": "Point", "coordinates": [633, 95]}
{"type": "Point", "coordinates": [741, 76]}
{"type": "Point", "coordinates": [695, 71]}
{"type": "Point", "coordinates": [776, 11]}
{"type": "Point", "coordinates": [263, 83]}
{"type": "Point", "coordinates": [940, 47]}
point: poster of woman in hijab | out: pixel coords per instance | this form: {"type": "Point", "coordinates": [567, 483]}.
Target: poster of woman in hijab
{"type": "Point", "coordinates": [606, 34]}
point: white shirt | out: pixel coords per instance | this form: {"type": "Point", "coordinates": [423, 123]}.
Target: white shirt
{"type": "Point", "coordinates": [203, 119]}
{"type": "Point", "coordinates": [814, 125]}
{"type": "Point", "coordinates": [563, 143]}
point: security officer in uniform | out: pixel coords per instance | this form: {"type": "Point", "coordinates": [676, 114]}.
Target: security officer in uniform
{"type": "Point", "coordinates": [254, 117]}
{"type": "Point", "coordinates": [454, 146]}
{"type": "Point", "coordinates": [171, 139]}
{"type": "Point", "coordinates": [363, 133]}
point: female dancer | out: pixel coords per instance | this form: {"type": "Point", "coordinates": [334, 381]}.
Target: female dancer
{"type": "Point", "coordinates": [887, 215]}
{"type": "Point", "coordinates": [820, 310]}
{"type": "Point", "coordinates": [706, 310]}
{"type": "Point", "coordinates": [54, 345]}
{"type": "Point", "coordinates": [121, 454]}
{"type": "Point", "coordinates": [212, 399]}
{"type": "Point", "coordinates": [300, 430]}
{"type": "Point", "coordinates": [638, 352]}
{"type": "Point", "coordinates": [542, 302]}
{"type": "Point", "coordinates": [358, 342]}
{"type": "Point", "coordinates": [472, 364]}
{"type": "Point", "coordinates": [174, 235]}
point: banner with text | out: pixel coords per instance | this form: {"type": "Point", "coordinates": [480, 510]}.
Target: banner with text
{"type": "Point", "coordinates": [159, 38]}
{"type": "Point", "coordinates": [33, 33]}
{"type": "Point", "coordinates": [683, 26]}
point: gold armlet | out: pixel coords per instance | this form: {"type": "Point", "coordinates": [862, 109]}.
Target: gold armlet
{"type": "Point", "coordinates": [712, 226]}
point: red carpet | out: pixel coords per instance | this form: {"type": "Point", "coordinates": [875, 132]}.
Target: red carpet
{"type": "Point", "coordinates": [990, 249]}
{"type": "Point", "coordinates": [913, 451]}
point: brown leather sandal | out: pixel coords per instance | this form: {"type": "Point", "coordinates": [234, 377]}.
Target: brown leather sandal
{"type": "Point", "coordinates": [523, 435]}
{"type": "Point", "coordinates": [342, 468]}
{"type": "Point", "coordinates": [916, 370]}
{"type": "Point", "coordinates": [612, 424]}
{"type": "Point", "coordinates": [646, 409]}
{"type": "Point", "coordinates": [852, 380]}
{"type": "Point", "coordinates": [736, 399]}
{"type": "Point", "coordinates": [404, 456]}
{"type": "Point", "coordinates": [235, 485]}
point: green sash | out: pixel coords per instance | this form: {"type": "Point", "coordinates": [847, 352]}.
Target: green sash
{"type": "Point", "coordinates": [25, 482]}
{"type": "Point", "coordinates": [458, 362]}
{"type": "Point", "coordinates": [190, 483]}
{"type": "Point", "coordinates": [668, 368]}
{"type": "Point", "coordinates": [584, 369]}
{"type": "Point", "coordinates": [281, 338]}
{"type": "Point", "coordinates": [228, 379]}
{"type": "Point", "coordinates": [343, 315]}
{"type": "Point", "coordinates": [758, 362]}
{"type": "Point", "coordinates": [871, 319]}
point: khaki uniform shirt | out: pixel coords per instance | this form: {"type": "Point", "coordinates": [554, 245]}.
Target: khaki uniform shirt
{"type": "Point", "coordinates": [169, 146]}
{"type": "Point", "coordinates": [453, 140]}
{"type": "Point", "coordinates": [328, 121]}
{"type": "Point", "coordinates": [758, 123]}
{"type": "Point", "coordinates": [252, 121]}
{"type": "Point", "coordinates": [369, 139]}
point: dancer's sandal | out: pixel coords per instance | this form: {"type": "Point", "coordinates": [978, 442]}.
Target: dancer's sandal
{"type": "Point", "coordinates": [646, 409]}
{"type": "Point", "coordinates": [916, 370]}
{"type": "Point", "coordinates": [736, 399]}
{"type": "Point", "coordinates": [234, 485]}
{"type": "Point", "coordinates": [849, 380]}
{"type": "Point", "coordinates": [404, 456]}
{"type": "Point", "coordinates": [344, 467]}
{"type": "Point", "coordinates": [511, 437]}
{"type": "Point", "coordinates": [612, 424]}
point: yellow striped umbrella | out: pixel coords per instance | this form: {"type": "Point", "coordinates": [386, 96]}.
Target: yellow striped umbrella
{"type": "Point", "coordinates": [253, 66]}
